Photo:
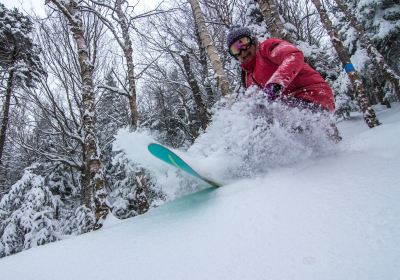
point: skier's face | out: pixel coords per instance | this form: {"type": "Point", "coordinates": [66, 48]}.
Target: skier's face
{"type": "Point", "coordinates": [247, 54]}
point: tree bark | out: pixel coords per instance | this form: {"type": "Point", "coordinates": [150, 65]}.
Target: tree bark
{"type": "Point", "coordinates": [142, 203]}
{"type": "Point", "coordinates": [204, 71]}
{"type": "Point", "coordinates": [6, 112]}
{"type": "Point", "coordinates": [212, 53]}
{"type": "Point", "coordinates": [358, 86]}
{"type": "Point", "coordinates": [93, 170]}
{"type": "Point", "coordinates": [272, 18]}
{"type": "Point", "coordinates": [200, 107]}
{"type": "Point", "coordinates": [374, 54]}
{"type": "Point", "coordinates": [128, 53]}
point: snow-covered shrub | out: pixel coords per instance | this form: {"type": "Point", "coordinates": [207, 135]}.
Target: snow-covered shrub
{"type": "Point", "coordinates": [84, 219]}
{"type": "Point", "coordinates": [62, 182]}
{"type": "Point", "coordinates": [122, 184]}
{"type": "Point", "coordinates": [342, 89]}
{"type": "Point", "coordinates": [344, 105]}
{"type": "Point", "coordinates": [129, 197]}
{"type": "Point", "coordinates": [27, 215]}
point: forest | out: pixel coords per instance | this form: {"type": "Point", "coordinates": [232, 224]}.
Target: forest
{"type": "Point", "coordinates": [74, 78]}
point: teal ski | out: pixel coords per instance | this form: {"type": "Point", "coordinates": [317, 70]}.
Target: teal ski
{"type": "Point", "coordinates": [168, 156]}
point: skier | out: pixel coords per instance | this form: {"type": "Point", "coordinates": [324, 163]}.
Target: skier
{"type": "Point", "coordinates": [278, 68]}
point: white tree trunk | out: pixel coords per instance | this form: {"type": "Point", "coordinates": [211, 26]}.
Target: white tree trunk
{"type": "Point", "coordinates": [128, 53]}
{"type": "Point", "coordinates": [273, 20]}
{"type": "Point", "coordinates": [212, 53]}
{"type": "Point", "coordinates": [93, 178]}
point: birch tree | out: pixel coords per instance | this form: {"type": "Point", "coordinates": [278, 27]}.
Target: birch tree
{"type": "Point", "coordinates": [270, 11]}
{"type": "Point", "coordinates": [216, 62]}
{"type": "Point", "coordinates": [358, 86]}
{"type": "Point", "coordinates": [93, 180]}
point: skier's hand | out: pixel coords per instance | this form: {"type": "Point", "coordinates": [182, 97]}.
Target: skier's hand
{"type": "Point", "coordinates": [273, 91]}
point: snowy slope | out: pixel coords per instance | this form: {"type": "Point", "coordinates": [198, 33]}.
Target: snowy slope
{"type": "Point", "coordinates": [336, 217]}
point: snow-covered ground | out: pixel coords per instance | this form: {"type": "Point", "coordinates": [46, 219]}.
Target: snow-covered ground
{"type": "Point", "coordinates": [335, 216]}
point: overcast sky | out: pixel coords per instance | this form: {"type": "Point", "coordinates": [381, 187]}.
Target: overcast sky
{"type": "Point", "coordinates": [26, 5]}
{"type": "Point", "coordinates": [38, 6]}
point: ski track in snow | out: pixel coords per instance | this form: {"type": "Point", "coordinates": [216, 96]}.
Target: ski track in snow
{"type": "Point", "coordinates": [335, 217]}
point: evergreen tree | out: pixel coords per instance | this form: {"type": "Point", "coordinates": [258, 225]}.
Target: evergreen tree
{"type": "Point", "coordinates": [27, 215]}
{"type": "Point", "coordinates": [133, 191]}
{"type": "Point", "coordinates": [171, 111]}
{"type": "Point", "coordinates": [19, 60]}
{"type": "Point", "coordinates": [381, 21]}
{"type": "Point", "coordinates": [84, 219]}
{"type": "Point", "coordinates": [111, 111]}
{"type": "Point", "coordinates": [372, 66]}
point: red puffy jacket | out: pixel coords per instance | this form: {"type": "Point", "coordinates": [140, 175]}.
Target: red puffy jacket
{"type": "Point", "coordinates": [278, 61]}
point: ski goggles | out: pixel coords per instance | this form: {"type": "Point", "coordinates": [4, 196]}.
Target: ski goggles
{"type": "Point", "coordinates": [240, 45]}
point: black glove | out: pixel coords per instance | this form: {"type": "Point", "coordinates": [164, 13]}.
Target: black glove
{"type": "Point", "coordinates": [273, 91]}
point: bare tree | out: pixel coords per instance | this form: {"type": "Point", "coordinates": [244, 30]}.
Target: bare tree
{"type": "Point", "coordinates": [177, 38]}
{"type": "Point", "coordinates": [223, 12]}
{"type": "Point", "coordinates": [358, 86]}
{"type": "Point", "coordinates": [301, 21]}
{"type": "Point", "coordinates": [121, 33]}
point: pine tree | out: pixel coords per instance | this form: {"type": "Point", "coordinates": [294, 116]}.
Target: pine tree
{"type": "Point", "coordinates": [27, 215]}
{"type": "Point", "coordinates": [133, 191]}
{"type": "Point", "coordinates": [111, 111]}
{"type": "Point", "coordinates": [19, 59]}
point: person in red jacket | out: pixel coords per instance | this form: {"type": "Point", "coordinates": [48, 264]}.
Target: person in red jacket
{"type": "Point", "coordinates": [278, 68]}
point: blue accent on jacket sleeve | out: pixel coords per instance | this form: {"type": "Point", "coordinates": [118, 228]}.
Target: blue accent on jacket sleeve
{"type": "Point", "coordinates": [349, 68]}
